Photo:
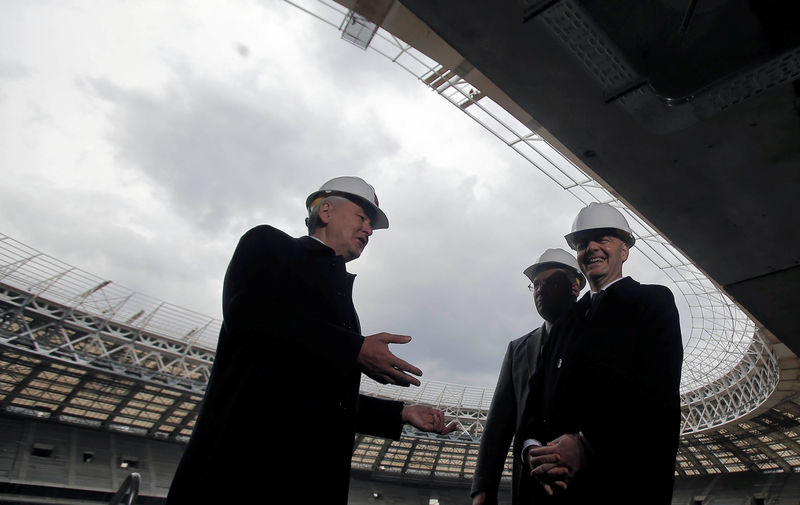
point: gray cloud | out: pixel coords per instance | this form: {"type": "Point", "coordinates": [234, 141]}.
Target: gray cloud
{"type": "Point", "coordinates": [13, 70]}
{"type": "Point", "coordinates": [219, 151]}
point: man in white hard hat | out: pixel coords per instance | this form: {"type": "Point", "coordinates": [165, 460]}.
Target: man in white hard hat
{"type": "Point", "coordinates": [607, 402]}
{"type": "Point", "coordinates": [282, 404]}
{"type": "Point", "coordinates": [556, 282]}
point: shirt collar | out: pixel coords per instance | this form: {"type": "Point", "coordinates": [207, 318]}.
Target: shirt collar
{"type": "Point", "coordinates": [315, 245]}
{"type": "Point", "coordinates": [606, 286]}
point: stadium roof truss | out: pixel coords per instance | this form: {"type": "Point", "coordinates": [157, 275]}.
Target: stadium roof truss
{"type": "Point", "coordinates": [79, 349]}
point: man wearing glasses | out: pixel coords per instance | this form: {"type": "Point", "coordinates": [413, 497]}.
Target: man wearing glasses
{"type": "Point", "coordinates": [555, 284]}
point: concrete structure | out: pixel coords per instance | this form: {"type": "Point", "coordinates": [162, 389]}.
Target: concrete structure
{"type": "Point", "coordinates": [689, 111]}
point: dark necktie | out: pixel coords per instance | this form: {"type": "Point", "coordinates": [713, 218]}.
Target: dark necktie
{"type": "Point", "coordinates": [541, 350]}
{"type": "Point", "coordinates": [597, 298]}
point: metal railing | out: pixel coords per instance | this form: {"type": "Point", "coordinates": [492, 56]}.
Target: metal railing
{"type": "Point", "coordinates": [128, 491]}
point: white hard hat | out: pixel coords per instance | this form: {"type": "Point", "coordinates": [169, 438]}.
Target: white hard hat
{"type": "Point", "coordinates": [597, 216]}
{"type": "Point", "coordinates": [556, 258]}
{"type": "Point", "coordinates": [350, 187]}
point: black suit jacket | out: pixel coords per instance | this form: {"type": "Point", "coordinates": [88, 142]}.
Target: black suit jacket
{"type": "Point", "coordinates": [613, 373]}
{"type": "Point", "coordinates": [282, 404]}
{"type": "Point", "coordinates": [505, 415]}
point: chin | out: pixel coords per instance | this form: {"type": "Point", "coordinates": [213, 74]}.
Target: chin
{"type": "Point", "coordinates": [597, 272]}
{"type": "Point", "coordinates": [596, 276]}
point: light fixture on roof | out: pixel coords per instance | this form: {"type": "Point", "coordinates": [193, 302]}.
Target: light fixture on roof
{"type": "Point", "coordinates": [129, 462]}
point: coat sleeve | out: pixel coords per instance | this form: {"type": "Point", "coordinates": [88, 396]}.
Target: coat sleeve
{"type": "Point", "coordinates": [260, 305]}
{"type": "Point", "coordinates": [497, 433]}
{"type": "Point", "coordinates": [379, 417]}
{"type": "Point", "coordinates": [661, 349]}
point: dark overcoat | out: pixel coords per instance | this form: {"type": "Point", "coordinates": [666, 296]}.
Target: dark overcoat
{"type": "Point", "coordinates": [282, 404]}
{"type": "Point", "coordinates": [613, 372]}
{"type": "Point", "coordinates": [505, 416]}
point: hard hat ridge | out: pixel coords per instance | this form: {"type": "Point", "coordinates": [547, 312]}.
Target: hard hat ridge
{"type": "Point", "coordinates": [596, 216]}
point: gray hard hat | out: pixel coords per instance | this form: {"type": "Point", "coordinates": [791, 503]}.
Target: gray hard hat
{"type": "Point", "coordinates": [356, 189]}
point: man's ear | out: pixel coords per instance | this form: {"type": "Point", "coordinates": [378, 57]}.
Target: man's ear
{"type": "Point", "coordinates": [325, 212]}
{"type": "Point", "coordinates": [576, 289]}
{"type": "Point", "coordinates": [624, 252]}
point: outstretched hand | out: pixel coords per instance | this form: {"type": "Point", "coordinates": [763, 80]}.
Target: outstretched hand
{"type": "Point", "coordinates": [427, 419]}
{"type": "Point", "coordinates": [378, 362]}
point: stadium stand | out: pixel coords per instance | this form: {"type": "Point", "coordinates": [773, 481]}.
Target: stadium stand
{"type": "Point", "coordinates": [47, 462]}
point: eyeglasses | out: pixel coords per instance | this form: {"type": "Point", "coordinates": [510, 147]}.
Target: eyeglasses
{"type": "Point", "coordinates": [553, 279]}
{"type": "Point", "coordinates": [536, 285]}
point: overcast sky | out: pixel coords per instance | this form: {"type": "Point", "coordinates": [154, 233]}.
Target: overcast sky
{"type": "Point", "coordinates": [141, 139]}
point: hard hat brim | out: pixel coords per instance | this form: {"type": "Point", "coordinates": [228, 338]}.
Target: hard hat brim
{"type": "Point", "coordinates": [572, 238]}
{"type": "Point", "coordinates": [530, 272]}
{"type": "Point", "coordinates": [378, 222]}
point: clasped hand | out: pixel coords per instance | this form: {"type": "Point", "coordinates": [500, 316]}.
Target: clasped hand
{"type": "Point", "coordinates": [555, 464]}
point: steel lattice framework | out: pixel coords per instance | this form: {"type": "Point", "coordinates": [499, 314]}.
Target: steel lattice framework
{"type": "Point", "coordinates": [80, 349]}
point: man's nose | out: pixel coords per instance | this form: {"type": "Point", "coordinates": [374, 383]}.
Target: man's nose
{"type": "Point", "coordinates": [591, 245]}
{"type": "Point", "coordinates": [368, 227]}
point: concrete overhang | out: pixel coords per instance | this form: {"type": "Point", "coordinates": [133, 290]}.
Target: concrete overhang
{"type": "Point", "coordinates": [688, 111]}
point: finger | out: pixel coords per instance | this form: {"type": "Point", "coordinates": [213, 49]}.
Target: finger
{"type": "Point", "coordinates": [450, 428]}
{"type": "Point", "coordinates": [561, 484]}
{"type": "Point", "coordinates": [383, 378]}
{"type": "Point", "coordinates": [558, 471]}
{"type": "Point", "coordinates": [542, 469]}
{"type": "Point", "coordinates": [541, 450]}
{"type": "Point", "coordinates": [547, 458]}
{"type": "Point", "coordinates": [403, 379]}
{"type": "Point", "coordinates": [405, 366]}
{"type": "Point", "coordinates": [396, 339]}
{"type": "Point", "coordinates": [404, 382]}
